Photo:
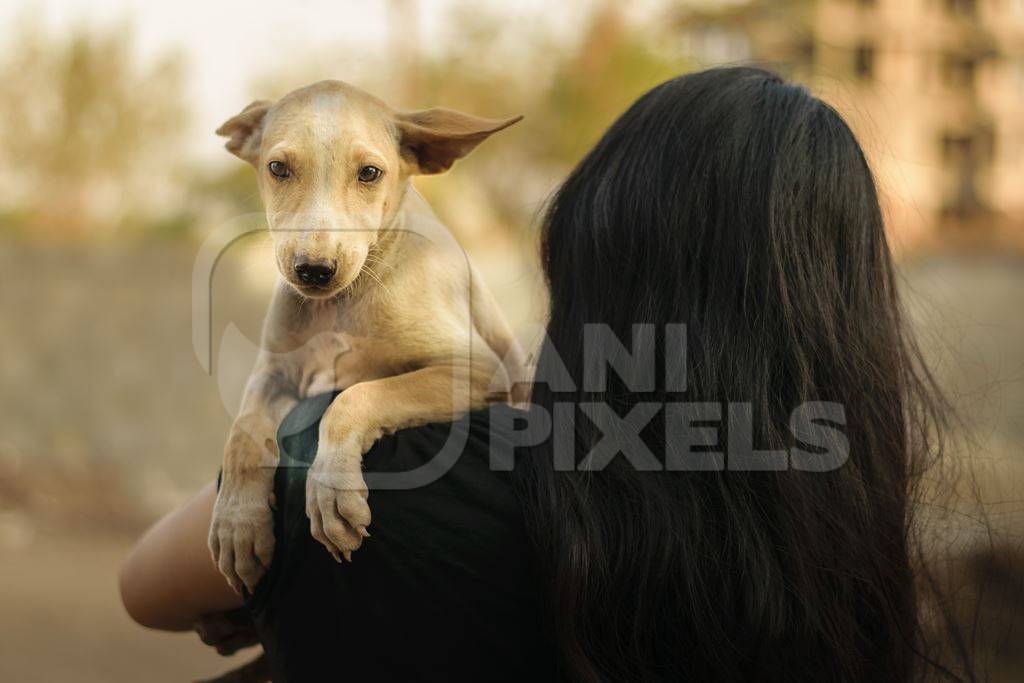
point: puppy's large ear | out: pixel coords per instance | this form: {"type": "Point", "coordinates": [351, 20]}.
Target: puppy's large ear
{"type": "Point", "coordinates": [431, 140]}
{"type": "Point", "coordinates": [245, 131]}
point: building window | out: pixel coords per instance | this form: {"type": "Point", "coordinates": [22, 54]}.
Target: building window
{"type": "Point", "coordinates": [957, 149]}
{"type": "Point", "coordinates": [964, 155]}
{"type": "Point", "coordinates": [958, 72]}
{"type": "Point", "coordinates": [964, 8]}
{"type": "Point", "coordinates": [864, 62]}
{"type": "Point", "coordinates": [973, 148]}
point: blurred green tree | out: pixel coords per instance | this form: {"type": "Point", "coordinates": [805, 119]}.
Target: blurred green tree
{"type": "Point", "coordinates": [85, 124]}
{"type": "Point", "coordinates": [569, 90]}
{"type": "Point", "coordinates": [610, 68]}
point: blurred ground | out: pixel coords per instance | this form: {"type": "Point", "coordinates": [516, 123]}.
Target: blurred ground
{"type": "Point", "coordinates": [107, 420]}
{"type": "Point", "coordinates": [62, 620]}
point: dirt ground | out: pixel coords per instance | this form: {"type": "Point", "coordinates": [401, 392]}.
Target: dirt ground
{"type": "Point", "coordinates": [62, 620]}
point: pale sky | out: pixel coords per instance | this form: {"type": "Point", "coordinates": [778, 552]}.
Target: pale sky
{"type": "Point", "coordinates": [228, 44]}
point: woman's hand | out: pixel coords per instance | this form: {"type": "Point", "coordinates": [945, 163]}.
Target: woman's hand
{"type": "Point", "coordinates": [228, 632]}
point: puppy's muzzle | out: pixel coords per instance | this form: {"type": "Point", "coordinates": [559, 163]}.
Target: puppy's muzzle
{"type": "Point", "coordinates": [315, 273]}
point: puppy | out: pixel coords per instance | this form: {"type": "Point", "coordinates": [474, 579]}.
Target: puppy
{"type": "Point", "coordinates": [374, 299]}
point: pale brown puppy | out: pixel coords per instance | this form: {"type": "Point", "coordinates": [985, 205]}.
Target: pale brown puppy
{"type": "Point", "coordinates": [374, 299]}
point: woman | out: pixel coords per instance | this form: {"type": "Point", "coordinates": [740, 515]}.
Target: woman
{"type": "Point", "coordinates": [739, 206]}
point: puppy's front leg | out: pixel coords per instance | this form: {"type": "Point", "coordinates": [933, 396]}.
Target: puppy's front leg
{"type": "Point", "coordinates": [242, 529]}
{"type": "Point", "coordinates": [336, 494]}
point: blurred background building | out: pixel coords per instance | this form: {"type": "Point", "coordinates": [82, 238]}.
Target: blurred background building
{"type": "Point", "coordinates": [933, 88]}
{"type": "Point", "coordinates": [112, 180]}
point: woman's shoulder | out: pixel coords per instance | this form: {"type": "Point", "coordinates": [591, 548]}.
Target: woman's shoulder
{"type": "Point", "coordinates": [444, 483]}
{"type": "Point", "coordinates": [444, 486]}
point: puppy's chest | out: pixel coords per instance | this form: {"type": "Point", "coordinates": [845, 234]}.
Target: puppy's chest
{"type": "Point", "coordinates": [377, 334]}
{"type": "Point", "coordinates": [351, 346]}
{"type": "Point", "coordinates": [335, 360]}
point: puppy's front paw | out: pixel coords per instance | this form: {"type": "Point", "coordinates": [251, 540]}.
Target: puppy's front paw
{"type": "Point", "coordinates": [336, 504]}
{"type": "Point", "coordinates": [242, 534]}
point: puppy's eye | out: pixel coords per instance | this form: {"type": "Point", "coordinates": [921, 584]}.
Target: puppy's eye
{"type": "Point", "coordinates": [369, 174]}
{"type": "Point", "coordinates": [279, 169]}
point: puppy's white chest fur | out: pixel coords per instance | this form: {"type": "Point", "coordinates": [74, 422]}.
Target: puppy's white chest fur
{"type": "Point", "coordinates": [332, 361]}
{"type": "Point", "coordinates": [337, 360]}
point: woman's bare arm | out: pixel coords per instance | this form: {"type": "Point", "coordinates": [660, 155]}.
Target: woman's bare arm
{"type": "Point", "coordinates": [169, 581]}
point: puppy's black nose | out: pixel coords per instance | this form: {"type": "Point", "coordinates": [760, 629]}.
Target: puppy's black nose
{"type": "Point", "coordinates": [317, 273]}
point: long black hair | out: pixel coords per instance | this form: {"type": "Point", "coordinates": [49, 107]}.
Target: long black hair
{"type": "Point", "coordinates": [742, 207]}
